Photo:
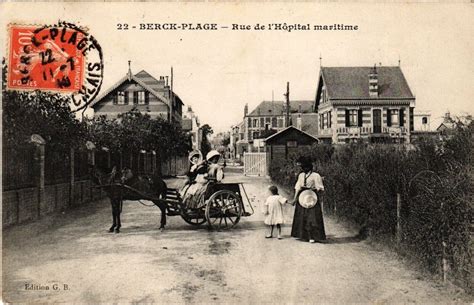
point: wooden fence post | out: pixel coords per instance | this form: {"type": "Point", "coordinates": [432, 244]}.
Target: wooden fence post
{"type": "Point", "coordinates": [40, 143]}
{"type": "Point", "coordinates": [445, 262]}
{"type": "Point", "coordinates": [41, 155]}
{"type": "Point", "coordinates": [399, 227]}
{"type": "Point", "coordinates": [71, 181]}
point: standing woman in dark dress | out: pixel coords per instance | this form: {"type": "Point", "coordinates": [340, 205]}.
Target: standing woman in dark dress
{"type": "Point", "coordinates": [308, 223]}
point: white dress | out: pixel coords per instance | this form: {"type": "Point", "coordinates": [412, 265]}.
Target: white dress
{"type": "Point", "coordinates": [273, 205]}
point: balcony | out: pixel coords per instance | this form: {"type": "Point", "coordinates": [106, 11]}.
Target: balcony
{"type": "Point", "coordinates": [354, 131]}
{"type": "Point", "coordinates": [361, 131]}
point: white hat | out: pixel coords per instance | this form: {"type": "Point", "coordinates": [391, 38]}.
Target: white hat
{"type": "Point", "coordinates": [307, 199]}
{"type": "Point", "coordinates": [211, 154]}
{"type": "Point", "coordinates": [197, 153]}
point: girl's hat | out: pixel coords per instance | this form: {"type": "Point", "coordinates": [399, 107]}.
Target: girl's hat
{"type": "Point", "coordinates": [212, 154]}
{"type": "Point", "coordinates": [195, 153]}
{"type": "Point", "coordinates": [308, 199]}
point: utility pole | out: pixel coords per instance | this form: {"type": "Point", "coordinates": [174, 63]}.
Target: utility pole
{"type": "Point", "coordinates": [287, 96]}
{"type": "Point", "coordinates": [171, 97]}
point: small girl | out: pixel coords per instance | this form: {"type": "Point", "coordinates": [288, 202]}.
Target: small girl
{"type": "Point", "coordinates": [272, 208]}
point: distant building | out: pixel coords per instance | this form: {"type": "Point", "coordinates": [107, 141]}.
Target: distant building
{"type": "Point", "coordinates": [142, 91]}
{"type": "Point", "coordinates": [190, 124]}
{"type": "Point", "coordinates": [270, 117]}
{"type": "Point", "coordinates": [449, 124]}
{"type": "Point", "coordinates": [286, 142]}
{"type": "Point", "coordinates": [421, 121]}
{"type": "Point", "coordinates": [372, 104]}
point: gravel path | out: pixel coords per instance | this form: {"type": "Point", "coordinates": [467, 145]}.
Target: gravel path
{"type": "Point", "coordinates": [184, 264]}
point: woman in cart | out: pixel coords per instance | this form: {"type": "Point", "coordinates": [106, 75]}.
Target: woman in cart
{"type": "Point", "coordinates": [195, 175]}
{"type": "Point", "coordinates": [308, 223]}
{"type": "Point", "coordinates": [207, 171]}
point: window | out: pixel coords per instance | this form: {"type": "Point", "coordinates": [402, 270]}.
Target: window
{"type": "Point", "coordinates": [394, 117]}
{"type": "Point", "coordinates": [291, 143]}
{"type": "Point", "coordinates": [274, 122]}
{"type": "Point", "coordinates": [255, 122]}
{"type": "Point", "coordinates": [280, 122]}
{"type": "Point", "coordinates": [141, 97]}
{"type": "Point", "coordinates": [424, 120]}
{"type": "Point", "coordinates": [255, 135]}
{"type": "Point", "coordinates": [353, 117]}
{"type": "Point", "coordinates": [122, 98]}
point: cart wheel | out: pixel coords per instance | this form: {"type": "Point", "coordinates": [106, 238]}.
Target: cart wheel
{"type": "Point", "coordinates": [223, 210]}
{"type": "Point", "coordinates": [194, 217]}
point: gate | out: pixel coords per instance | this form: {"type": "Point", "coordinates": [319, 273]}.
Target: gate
{"type": "Point", "coordinates": [255, 164]}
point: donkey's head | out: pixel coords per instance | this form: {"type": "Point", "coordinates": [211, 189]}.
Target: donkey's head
{"type": "Point", "coordinates": [101, 177]}
{"type": "Point", "coordinates": [127, 174]}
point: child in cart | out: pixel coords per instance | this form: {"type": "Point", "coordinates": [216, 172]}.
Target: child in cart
{"type": "Point", "coordinates": [273, 210]}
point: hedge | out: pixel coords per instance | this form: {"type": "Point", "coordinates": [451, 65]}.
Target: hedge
{"type": "Point", "coordinates": [433, 180]}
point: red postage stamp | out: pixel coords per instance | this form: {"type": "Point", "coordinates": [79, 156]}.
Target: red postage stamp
{"type": "Point", "coordinates": [45, 59]}
{"type": "Point", "coordinates": [57, 58]}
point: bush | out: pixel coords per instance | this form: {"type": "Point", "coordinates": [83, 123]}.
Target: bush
{"type": "Point", "coordinates": [433, 180]}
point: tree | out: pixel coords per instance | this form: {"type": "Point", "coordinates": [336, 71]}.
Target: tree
{"type": "Point", "coordinates": [38, 112]}
{"type": "Point", "coordinates": [205, 144]}
{"type": "Point", "coordinates": [136, 131]}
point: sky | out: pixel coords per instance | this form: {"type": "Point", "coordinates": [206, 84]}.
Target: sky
{"type": "Point", "coordinates": [218, 72]}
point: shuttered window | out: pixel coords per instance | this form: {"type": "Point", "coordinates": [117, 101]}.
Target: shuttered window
{"type": "Point", "coordinates": [352, 117]}
{"type": "Point", "coordinates": [121, 97]}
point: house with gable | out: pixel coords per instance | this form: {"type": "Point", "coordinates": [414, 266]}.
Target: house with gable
{"type": "Point", "coordinates": [370, 104]}
{"type": "Point", "coordinates": [142, 91]}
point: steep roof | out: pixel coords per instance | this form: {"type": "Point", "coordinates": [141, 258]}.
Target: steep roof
{"type": "Point", "coordinates": [278, 107]}
{"type": "Point", "coordinates": [291, 129]}
{"type": "Point", "coordinates": [145, 80]}
{"type": "Point", "coordinates": [353, 82]}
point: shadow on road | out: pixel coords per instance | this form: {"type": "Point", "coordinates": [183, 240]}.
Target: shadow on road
{"type": "Point", "coordinates": [331, 239]}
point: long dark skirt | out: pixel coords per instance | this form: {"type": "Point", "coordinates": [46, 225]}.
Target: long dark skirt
{"type": "Point", "coordinates": [308, 223]}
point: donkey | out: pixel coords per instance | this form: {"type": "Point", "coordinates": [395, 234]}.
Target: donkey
{"type": "Point", "coordinates": [148, 188]}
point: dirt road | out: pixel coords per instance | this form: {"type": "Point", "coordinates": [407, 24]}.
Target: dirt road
{"type": "Point", "coordinates": [184, 264]}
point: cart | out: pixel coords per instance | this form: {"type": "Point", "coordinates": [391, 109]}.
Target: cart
{"type": "Point", "coordinates": [221, 207]}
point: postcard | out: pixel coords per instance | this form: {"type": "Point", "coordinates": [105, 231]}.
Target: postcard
{"type": "Point", "coordinates": [237, 152]}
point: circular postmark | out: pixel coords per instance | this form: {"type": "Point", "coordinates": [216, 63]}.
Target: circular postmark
{"type": "Point", "coordinates": [61, 58]}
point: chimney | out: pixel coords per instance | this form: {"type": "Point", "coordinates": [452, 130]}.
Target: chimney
{"type": "Point", "coordinates": [246, 109]}
{"type": "Point", "coordinates": [373, 83]}
{"type": "Point", "coordinates": [299, 108]}
{"type": "Point", "coordinates": [299, 123]}
{"type": "Point", "coordinates": [447, 117]}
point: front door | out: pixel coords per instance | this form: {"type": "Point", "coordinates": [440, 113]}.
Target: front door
{"type": "Point", "coordinates": [377, 120]}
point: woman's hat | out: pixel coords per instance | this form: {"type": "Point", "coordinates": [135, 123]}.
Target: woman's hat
{"type": "Point", "coordinates": [305, 161]}
{"type": "Point", "coordinates": [211, 154]}
{"type": "Point", "coordinates": [195, 153]}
